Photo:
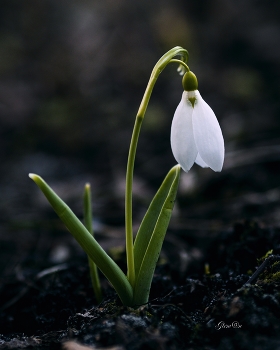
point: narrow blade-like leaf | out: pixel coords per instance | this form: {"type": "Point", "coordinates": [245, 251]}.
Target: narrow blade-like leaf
{"type": "Point", "coordinates": [149, 221]}
{"type": "Point", "coordinates": [88, 224]}
{"type": "Point", "coordinates": [96, 253]}
{"type": "Point", "coordinates": [151, 234]}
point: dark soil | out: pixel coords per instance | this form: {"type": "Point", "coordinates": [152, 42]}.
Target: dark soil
{"type": "Point", "coordinates": [213, 309]}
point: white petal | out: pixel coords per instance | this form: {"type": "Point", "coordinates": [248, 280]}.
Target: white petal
{"type": "Point", "coordinates": [208, 135]}
{"type": "Point", "coordinates": [200, 161]}
{"type": "Point", "coordinates": [182, 139]}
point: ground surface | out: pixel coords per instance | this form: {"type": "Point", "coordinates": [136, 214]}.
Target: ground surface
{"type": "Point", "coordinates": [195, 310]}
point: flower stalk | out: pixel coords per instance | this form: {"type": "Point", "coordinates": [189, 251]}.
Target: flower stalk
{"type": "Point", "coordinates": [159, 67]}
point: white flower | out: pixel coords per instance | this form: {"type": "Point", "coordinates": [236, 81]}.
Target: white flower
{"type": "Point", "coordinates": [196, 135]}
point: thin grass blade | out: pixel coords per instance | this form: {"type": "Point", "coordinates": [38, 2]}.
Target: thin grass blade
{"type": "Point", "coordinates": [88, 224]}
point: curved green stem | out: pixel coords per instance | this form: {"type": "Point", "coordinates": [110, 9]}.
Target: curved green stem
{"type": "Point", "coordinates": [180, 62]}
{"type": "Point", "coordinates": [161, 64]}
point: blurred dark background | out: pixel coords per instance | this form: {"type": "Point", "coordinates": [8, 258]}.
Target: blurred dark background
{"type": "Point", "coordinates": [72, 75]}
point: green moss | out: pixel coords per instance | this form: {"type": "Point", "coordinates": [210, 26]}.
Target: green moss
{"type": "Point", "coordinates": [276, 277]}
{"type": "Point", "coordinates": [267, 254]}
{"type": "Point", "coordinates": [272, 273]}
{"type": "Point", "coordinates": [275, 267]}
{"type": "Point", "coordinates": [272, 278]}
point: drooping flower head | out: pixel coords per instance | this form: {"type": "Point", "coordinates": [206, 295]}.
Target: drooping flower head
{"type": "Point", "coordinates": [196, 136]}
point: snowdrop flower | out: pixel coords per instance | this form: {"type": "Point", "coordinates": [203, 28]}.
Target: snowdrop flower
{"type": "Point", "coordinates": [196, 136]}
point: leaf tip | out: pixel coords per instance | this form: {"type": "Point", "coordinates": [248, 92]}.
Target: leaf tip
{"type": "Point", "coordinates": [177, 168]}
{"type": "Point", "coordinates": [87, 186]}
{"type": "Point", "coordinates": [34, 176]}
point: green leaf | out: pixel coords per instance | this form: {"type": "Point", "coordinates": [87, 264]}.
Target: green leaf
{"type": "Point", "coordinates": [88, 224]}
{"type": "Point", "coordinates": [96, 253]}
{"type": "Point", "coordinates": [151, 234]}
